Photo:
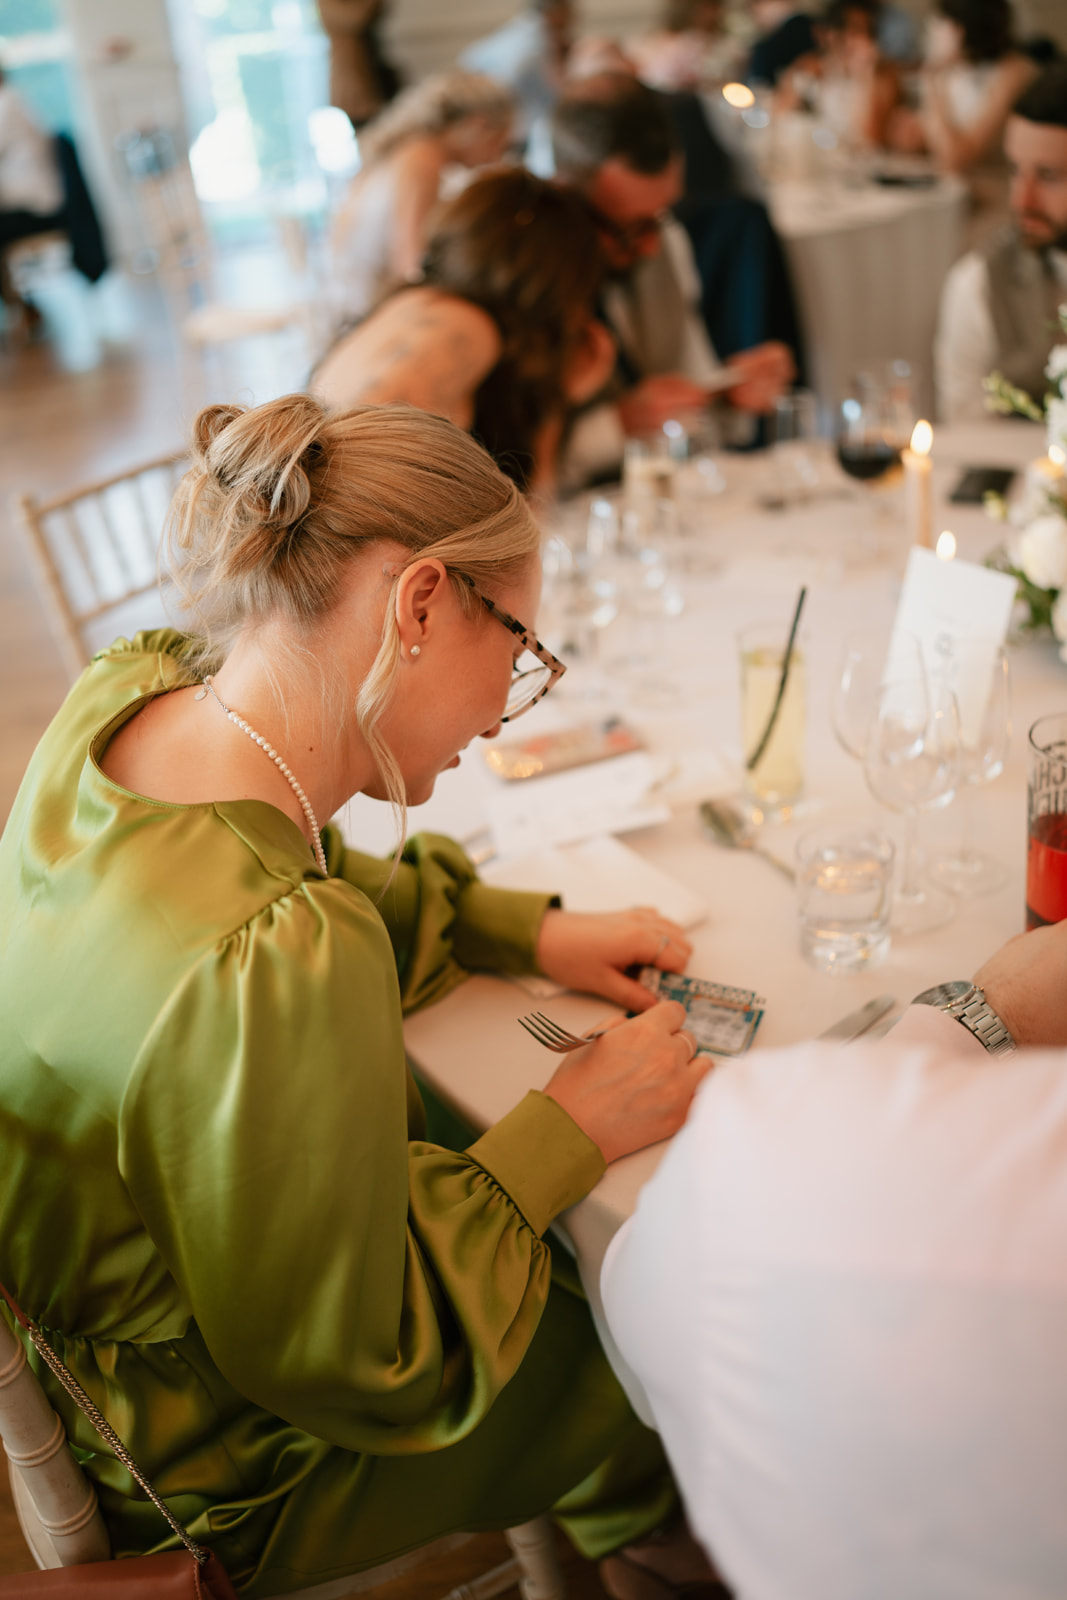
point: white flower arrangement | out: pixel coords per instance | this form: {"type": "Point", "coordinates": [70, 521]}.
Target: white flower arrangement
{"type": "Point", "coordinates": [1036, 551]}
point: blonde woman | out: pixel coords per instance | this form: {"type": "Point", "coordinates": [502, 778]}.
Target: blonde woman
{"type": "Point", "coordinates": [378, 236]}
{"type": "Point", "coordinates": [325, 1338]}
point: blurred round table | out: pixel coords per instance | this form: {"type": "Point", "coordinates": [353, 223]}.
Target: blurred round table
{"type": "Point", "coordinates": [868, 261]}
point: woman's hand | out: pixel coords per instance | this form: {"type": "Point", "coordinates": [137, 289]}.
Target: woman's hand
{"type": "Point", "coordinates": [633, 1085]}
{"type": "Point", "coordinates": [590, 951]}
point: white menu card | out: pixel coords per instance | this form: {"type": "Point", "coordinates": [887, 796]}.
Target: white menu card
{"type": "Point", "coordinates": [959, 612]}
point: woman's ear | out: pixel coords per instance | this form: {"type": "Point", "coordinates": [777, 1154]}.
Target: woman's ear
{"type": "Point", "coordinates": [422, 590]}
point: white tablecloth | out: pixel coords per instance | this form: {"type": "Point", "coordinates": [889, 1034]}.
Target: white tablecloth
{"type": "Point", "coordinates": [868, 264]}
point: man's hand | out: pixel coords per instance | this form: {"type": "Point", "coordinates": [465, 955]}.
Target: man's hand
{"type": "Point", "coordinates": [1026, 984]}
{"type": "Point", "coordinates": [763, 375]}
{"type": "Point", "coordinates": [656, 400]}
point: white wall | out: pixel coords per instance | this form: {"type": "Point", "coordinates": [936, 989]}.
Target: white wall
{"type": "Point", "coordinates": [127, 77]}
{"type": "Point", "coordinates": [426, 35]}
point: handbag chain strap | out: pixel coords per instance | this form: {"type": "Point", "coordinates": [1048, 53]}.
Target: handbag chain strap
{"type": "Point", "coordinates": [100, 1423]}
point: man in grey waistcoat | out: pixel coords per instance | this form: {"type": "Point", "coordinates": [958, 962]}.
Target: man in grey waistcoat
{"type": "Point", "coordinates": [999, 303]}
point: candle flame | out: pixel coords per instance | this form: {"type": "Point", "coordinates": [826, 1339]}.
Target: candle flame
{"type": "Point", "coordinates": [922, 438]}
{"type": "Point", "coordinates": [946, 546]}
{"type": "Point", "coordinates": [1057, 454]}
{"type": "Point", "coordinates": [738, 95]}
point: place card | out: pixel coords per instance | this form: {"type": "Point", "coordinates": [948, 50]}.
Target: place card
{"type": "Point", "coordinates": [959, 612]}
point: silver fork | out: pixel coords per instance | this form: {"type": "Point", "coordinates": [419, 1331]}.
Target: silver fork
{"type": "Point", "coordinates": [552, 1036]}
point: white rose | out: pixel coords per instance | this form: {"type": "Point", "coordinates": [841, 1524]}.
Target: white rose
{"type": "Point", "coordinates": [1042, 552]}
{"type": "Point", "coordinates": [1057, 363]}
{"type": "Point", "coordinates": [1059, 620]}
{"type": "Point", "coordinates": [1056, 423]}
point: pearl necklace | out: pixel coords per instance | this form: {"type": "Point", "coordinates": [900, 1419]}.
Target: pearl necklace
{"type": "Point", "coordinates": [269, 750]}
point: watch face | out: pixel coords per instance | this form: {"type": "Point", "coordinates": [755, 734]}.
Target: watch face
{"type": "Point", "coordinates": [943, 994]}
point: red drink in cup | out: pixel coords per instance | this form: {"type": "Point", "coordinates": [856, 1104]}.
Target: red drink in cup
{"type": "Point", "coordinates": [1046, 862]}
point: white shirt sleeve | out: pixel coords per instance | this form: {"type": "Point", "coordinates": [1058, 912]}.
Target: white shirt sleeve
{"type": "Point", "coordinates": [965, 348]}
{"type": "Point", "coordinates": [845, 1294]}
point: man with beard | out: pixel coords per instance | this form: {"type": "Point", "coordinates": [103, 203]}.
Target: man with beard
{"type": "Point", "coordinates": [999, 304]}
{"type": "Point", "coordinates": [613, 139]}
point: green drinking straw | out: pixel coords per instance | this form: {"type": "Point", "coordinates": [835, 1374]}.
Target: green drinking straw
{"type": "Point", "coordinates": [782, 681]}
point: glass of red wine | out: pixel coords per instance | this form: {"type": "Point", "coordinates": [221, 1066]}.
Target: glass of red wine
{"type": "Point", "coordinates": [1046, 857]}
{"type": "Point", "coordinates": [869, 439]}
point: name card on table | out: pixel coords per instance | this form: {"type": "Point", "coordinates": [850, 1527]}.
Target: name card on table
{"type": "Point", "coordinates": [959, 612]}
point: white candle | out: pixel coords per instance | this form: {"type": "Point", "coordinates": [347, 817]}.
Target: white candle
{"type": "Point", "coordinates": [918, 485]}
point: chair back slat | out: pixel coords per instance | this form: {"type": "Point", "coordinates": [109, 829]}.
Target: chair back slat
{"type": "Point", "coordinates": [55, 1503]}
{"type": "Point", "coordinates": [97, 550]}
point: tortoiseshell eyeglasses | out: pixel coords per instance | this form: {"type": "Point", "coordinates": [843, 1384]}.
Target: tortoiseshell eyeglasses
{"type": "Point", "coordinates": [536, 669]}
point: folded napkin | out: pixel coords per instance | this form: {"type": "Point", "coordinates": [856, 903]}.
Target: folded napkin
{"type": "Point", "coordinates": [600, 874]}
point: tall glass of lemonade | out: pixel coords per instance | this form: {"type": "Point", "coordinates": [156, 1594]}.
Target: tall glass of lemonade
{"type": "Point", "coordinates": [775, 780]}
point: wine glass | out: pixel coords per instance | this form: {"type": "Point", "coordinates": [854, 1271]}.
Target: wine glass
{"type": "Point", "coordinates": [579, 600]}
{"type": "Point", "coordinates": [649, 594]}
{"type": "Point", "coordinates": [911, 764]}
{"type": "Point", "coordinates": [869, 440]}
{"type": "Point", "coordinates": [981, 681]}
{"type": "Point", "coordinates": [865, 664]}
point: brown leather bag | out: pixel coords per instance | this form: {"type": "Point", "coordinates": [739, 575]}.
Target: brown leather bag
{"type": "Point", "coordinates": [189, 1574]}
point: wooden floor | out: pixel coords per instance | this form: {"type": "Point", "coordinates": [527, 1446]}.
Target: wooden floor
{"type": "Point", "coordinates": [128, 398]}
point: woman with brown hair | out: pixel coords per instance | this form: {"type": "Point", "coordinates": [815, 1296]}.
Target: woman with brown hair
{"type": "Point", "coordinates": [326, 1338]}
{"type": "Point", "coordinates": [500, 336]}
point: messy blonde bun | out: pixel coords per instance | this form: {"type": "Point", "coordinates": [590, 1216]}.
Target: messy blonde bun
{"type": "Point", "coordinates": [280, 497]}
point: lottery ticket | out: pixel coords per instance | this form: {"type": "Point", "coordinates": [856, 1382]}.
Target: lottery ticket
{"type": "Point", "coordinates": [723, 1020]}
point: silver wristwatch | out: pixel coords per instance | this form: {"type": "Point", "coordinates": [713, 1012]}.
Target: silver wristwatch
{"type": "Point", "coordinates": [966, 1002]}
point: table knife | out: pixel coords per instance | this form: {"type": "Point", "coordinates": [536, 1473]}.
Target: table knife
{"type": "Point", "coordinates": [857, 1022]}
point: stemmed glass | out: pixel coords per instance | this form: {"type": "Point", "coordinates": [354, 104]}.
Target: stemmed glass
{"type": "Point", "coordinates": [865, 665]}
{"type": "Point", "coordinates": [911, 764]}
{"type": "Point", "coordinates": [985, 733]}
{"type": "Point", "coordinates": [870, 434]}
{"type": "Point", "coordinates": [580, 599]}
{"type": "Point", "coordinates": [649, 595]}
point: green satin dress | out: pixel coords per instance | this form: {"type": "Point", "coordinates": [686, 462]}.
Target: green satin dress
{"type": "Point", "coordinates": [326, 1339]}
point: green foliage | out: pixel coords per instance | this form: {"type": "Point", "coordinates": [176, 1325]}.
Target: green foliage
{"type": "Point", "coordinates": [1039, 602]}
{"type": "Point", "coordinates": [1006, 398]}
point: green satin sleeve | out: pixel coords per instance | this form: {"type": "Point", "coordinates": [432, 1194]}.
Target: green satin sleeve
{"type": "Point", "coordinates": [397, 1286]}
{"type": "Point", "coordinates": [441, 920]}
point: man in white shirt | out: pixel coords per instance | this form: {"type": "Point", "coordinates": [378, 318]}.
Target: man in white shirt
{"type": "Point", "coordinates": [845, 1294]}
{"type": "Point", "coordinates": [999, 303]}
{"type": "Point", "coordinates": [613, 139]}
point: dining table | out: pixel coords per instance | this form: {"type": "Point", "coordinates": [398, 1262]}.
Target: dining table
{"type": "Point", "coordinates": [741, 557]}
{"type": "Point", "coordinates": [868, 237]}
{"type": "Point", "coordinates": [868, 259]}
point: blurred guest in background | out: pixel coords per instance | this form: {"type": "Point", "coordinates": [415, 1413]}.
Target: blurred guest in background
{"type": "Point", "coordinates": [999, 303]}
{"type": "Point", "coordinates": [31, 190]}
{"type": "Point", "coordinates": [786, 34]}
{"type": "Point", "coordinates": [362, 78]}
{"type": "Point", "coordinates": [500, 335]}
{"type": "Point", "coordinates": [379, 234]}
{"type": "Point", "coordinates": [689, 47]}
{"type": "Point", "coordinates": [851, 85]}
{"type": "Point", "coordinates": [527, 55]}
{"type": "Point", "coordinates": [614, 140]}
{"type": "Point", "coordinates": [972, 75]}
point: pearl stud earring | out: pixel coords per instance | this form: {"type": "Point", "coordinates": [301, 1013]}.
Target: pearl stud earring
{"type": "Point", "coordinates": [415, 650]}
